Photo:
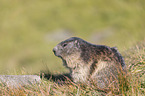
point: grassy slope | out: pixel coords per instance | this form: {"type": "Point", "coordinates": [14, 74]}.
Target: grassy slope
{"type": "Point", "coordinates": [25, 23]}
{"type": "Point", "coordinates": [135, 60]}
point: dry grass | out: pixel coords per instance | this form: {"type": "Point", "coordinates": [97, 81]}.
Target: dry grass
{"type": "Point", "coordinates": [135, 60]}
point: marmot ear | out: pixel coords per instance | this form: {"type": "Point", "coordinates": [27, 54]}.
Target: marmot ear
{"type": "Point", "coordinates": [77, 43]}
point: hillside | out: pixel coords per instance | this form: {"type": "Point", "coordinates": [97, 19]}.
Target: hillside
{"type": "Point", "coordinates": [30, 29]}
{"type": "Point", "coordinates": [135, 61]}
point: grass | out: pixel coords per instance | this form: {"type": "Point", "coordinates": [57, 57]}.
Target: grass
{"type": "Point", "coordinates": [135, 78]}
{"type": "Point", "coordinates": [24, 25]}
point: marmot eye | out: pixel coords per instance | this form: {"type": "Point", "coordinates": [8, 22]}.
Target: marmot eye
{"type": "Point", "coordinates": [65, 44]}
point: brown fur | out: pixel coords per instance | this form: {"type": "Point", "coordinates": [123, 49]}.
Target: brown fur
{"type": "Point", "coordinates": [99, 64]}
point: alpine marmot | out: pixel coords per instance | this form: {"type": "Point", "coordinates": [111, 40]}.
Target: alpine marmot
{"type": "Point", "coordinates": [88, 62]}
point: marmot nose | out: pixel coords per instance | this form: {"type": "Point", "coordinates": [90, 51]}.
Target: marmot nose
{"type": "Point", "coordinates": [54, 50]}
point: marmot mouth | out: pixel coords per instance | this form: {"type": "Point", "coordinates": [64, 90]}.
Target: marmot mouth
{"type": "Point", "coordinates": [54, 51]}
{"type": "Point", "coordinates": [57, 54]}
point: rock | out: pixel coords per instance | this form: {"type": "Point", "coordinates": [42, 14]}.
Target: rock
{"type": "Point", "coordinates": [17, 81]}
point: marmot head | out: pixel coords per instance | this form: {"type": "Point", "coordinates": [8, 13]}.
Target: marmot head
{"type": "Point", "coordinates": [67, 48]}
